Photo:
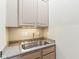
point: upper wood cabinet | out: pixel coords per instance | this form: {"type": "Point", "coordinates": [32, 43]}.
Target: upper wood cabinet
{"type": "Point", "coordinates": [27, 12]}
{"type": "Point", "coordinates": [33, 12]}
{"type": "Point", "coordinates": [43, 13]}
{"type": "Point", "coordinates": [12, 14]}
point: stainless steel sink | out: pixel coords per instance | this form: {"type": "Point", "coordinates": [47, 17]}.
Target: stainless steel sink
{"type": "Point", "coordinates": [33, 44]}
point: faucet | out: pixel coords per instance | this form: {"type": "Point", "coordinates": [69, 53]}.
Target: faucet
{"type": "Point", "coordinates": [33, 35]}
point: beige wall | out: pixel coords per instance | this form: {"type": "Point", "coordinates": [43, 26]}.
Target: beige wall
{"type": "Point", "coordinates": [22, 34]}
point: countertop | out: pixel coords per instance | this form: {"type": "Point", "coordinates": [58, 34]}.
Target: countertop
{"type": "Point", "coordinates": [16, 50]}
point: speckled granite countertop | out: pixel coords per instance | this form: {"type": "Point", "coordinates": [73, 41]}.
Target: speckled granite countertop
{"type": "Point", "coordinates": [16, 50]}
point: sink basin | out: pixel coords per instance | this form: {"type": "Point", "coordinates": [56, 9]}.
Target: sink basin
{"type": "Point", "coordinates": [33, 44]}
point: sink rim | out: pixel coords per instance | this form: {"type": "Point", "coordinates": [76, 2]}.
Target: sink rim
{"type": "Point", "coordinates": [34, 44]}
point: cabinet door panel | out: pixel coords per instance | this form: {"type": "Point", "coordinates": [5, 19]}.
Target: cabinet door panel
{"type": "Point", "coordinates": [52, 55]}
{"type": "Point", "coordinates": [26, 12]}
{"type": "Point", "coordinates": [34, 55]}
{"type": "Point", "coordinates": [17, 57]}
{"type": "Point", "coordinates": [46, 56]}
{"type": "Point", "coordinates": [37, 58]}
{"type": "Point", "coordinates": [43, 12]}
{"type": "Point", "coordinates": [48, 50]}
{"type": "Point", "coordinates": [12, 15]}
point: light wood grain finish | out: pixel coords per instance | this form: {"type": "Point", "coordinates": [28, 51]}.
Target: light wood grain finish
{"type": "Point", "coordinates": [52, 55]}
{"type": "Point", "coordinates": [48, 50]}
{"type": "Point", "coordinates": [45, 53]}
{"type": "Point", "coordinates": [34, 55]}
{"type": "Point", "coordinates": [49, 56]}
{"type": "Point", "coordinates": [46, 56]}
{"type": "Point", "coordinates": [16, 57]}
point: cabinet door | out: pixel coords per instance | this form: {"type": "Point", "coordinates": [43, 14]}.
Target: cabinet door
{"type": "Point", "coordinates": [17, 57]}
{"type": "Point", "coordinates": [28, 57]}
{"type": "Point", "coordinates": [43, 12]}
{"type": "Point", "coordinates": [46, 56]}
{"type": "Point", "coordinates": [13, 58]}
{"type": "Point", "coordinates": [12, 15]}
{"type": "Point", "coordinates": [52, 55]}
{"type": "Point", "coordinates": [26, 12]}
{"type": "Point", "coordinates": [33, 55]}
{"type": "Point", "coordinates": [37, 58]}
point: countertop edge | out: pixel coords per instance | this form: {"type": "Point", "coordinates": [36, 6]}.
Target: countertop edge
{"type": "Point", "coordinates": [31, 49]}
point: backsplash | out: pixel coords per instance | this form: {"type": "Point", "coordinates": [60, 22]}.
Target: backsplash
{"type": "Point", "coordinates": [45, 32]}
{"type": "Point", "coordinates": [15, 34]}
